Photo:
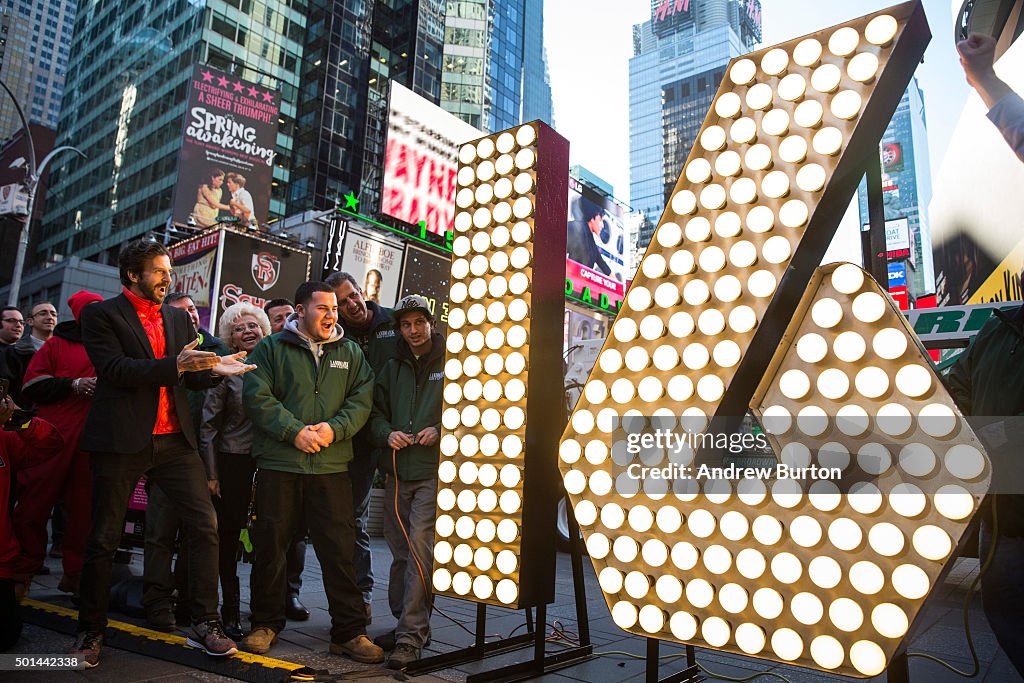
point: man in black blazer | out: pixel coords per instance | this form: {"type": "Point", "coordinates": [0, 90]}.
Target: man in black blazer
{"type": "Point", "coordinates": [140, 424]}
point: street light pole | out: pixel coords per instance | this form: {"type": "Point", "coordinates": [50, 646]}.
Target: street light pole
{"type": "Point", "coordinates": [32, 175]}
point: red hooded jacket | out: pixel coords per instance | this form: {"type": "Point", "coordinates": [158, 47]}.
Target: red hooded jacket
{"type": "Point", "coordinates": [39, 442]}
{"type": "Point", "coordinates": [49, 376]}
{"type": "Point", "coordinates": [53, 368]}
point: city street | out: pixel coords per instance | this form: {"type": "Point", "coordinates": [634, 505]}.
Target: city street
{"type": "Point", "coordinates": [939, 633]}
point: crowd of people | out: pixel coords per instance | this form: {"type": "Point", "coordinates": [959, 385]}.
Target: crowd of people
{"type": "Point", "coordinates": [274, 430]}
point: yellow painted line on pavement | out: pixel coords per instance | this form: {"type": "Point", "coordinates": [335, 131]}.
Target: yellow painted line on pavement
{"type": "Point", "coordinates": [168, 638]}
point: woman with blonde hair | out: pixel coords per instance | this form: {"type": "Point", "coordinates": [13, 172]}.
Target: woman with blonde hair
{"type": "Point", "coordinates": [225, 442]}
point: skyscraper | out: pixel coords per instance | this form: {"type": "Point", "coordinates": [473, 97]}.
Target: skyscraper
{"type": "Point", "coordinates": [35, 36]}
{"type": "Point", "coordinates": [495, 71]}
{"type": "Point", "coordinates": [907, 188]}
{"type": "Point", "coordinates": [679, 56]}
{"type": "Point", "coordinates": [127, 79]}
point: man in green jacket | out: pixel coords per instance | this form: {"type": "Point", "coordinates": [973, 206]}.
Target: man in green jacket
{"type": "Point", "coordinates": [309, 396]}
{"type": "Point", "coordinates": [987, 383]}
{"type": "Point", "coordinates": [372, 327]}
{"type": "Point", "coordinates": [406, 422]}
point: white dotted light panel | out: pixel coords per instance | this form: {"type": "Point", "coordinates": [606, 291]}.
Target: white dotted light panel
{"type": "Point", "coordinates": [479, 528]}
{"type": "Point", "coordinates": [677, 560]}
{"type": "Point", "coordinates": [853, 560]}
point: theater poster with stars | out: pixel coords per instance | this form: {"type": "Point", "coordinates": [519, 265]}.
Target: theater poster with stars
{"type": "Point", "coordinates": [226, 164]}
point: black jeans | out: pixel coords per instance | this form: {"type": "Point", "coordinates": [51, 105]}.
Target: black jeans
{"type": "Point", "coordinates": [175, 467]}
{"type": "Point", "coordinates": [162, 522]}
{"type": "Point", "coordinates": [326, 501]}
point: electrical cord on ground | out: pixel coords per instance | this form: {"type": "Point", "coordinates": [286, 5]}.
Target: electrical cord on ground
{"type": "Point", "coordinates": [723, 677]}
{"type": "Point", "coordinates": [416, 559]}
{"type": "Point", "coordinates": [967, 603]}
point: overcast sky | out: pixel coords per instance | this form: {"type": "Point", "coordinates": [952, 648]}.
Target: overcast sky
{"type": "Point", "coordinates": [589, 43]}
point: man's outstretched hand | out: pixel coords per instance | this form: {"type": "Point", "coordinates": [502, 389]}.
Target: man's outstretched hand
{"type": "Point", "coordinates": [190, 360]}
{"type": "Point", "coordinates": [232, 365]}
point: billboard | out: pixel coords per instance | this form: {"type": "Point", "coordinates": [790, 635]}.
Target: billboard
{"type": "Point", "coordinates": [420, 162]}
{"type": "Point", "coordinates": [375, 263]}
{"type": "Point", "coordinates": [226, 164]}
{"type": "Point", "coordinates": [750, 17]}
{"type": "Point", "coordinates": [897, 234]}
{"type": "Point", "coordinates": [426, 272]}
{"type": "Point", "coordinates": [892, 157]}
{"type": "Point", "coordinates": [897, 275]}
{"type": "Point", "coordinates": [195, 265]}
{"type": "Point", "coordinates": [222, 267]}
{"type": "Point", "coordinates": [255, 271]}
{"type": "Point", "coordinates": [668, 8]}
{"type": "Point", "coordinates": [595, 247]}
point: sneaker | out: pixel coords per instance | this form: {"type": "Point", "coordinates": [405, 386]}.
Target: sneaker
{"type": "Point", "coordinates": [87, 648]}
{"type": "Point", "coordinates": [209, 636]}
{"type": "Point", "coordinates": [260, 640]}
{"type": "Point", "coordinates": [404, 655]}
{"type": "Point", "coordinates": [161, 619]}
{"type": "Point", "coordinates": [359, 649]}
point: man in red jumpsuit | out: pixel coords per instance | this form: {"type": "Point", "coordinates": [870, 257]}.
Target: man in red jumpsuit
{"type": "Point", "coordinates": [22, 445]}
{"type": "Point", "coordinates": [60, 380]}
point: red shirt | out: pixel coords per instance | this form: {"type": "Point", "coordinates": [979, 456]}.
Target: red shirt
{"type": "Point", "coordinates": [153, 323]}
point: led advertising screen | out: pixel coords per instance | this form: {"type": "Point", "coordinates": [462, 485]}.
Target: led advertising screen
{"type": "Point", "coordinates": [226, 164]}
{"type": "Point", "coordinates": [426, 272]}
{"type": "Point", "coordinates": [595, 247]}
{"type": "Point", "coordinates": [420, 163]}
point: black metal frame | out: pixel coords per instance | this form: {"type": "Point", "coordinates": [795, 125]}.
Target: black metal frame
{"type": "Point", "coordinates": [691, 674]}
{"type": "Point", "coordinates": [541, 661]}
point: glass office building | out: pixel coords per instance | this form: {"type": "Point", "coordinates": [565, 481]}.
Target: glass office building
{"type": "Point", "coordinates": [679, 56]}
{"type": "Point", "coordinates": [907, 186]}
{"type": "Point", "coordinates": [35, 38]}
{"type": "Point", "coordinates": [126, 86]}
{"type": "Point", "coordinates": [495, 70]}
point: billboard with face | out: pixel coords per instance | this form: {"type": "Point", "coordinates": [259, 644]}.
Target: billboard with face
{"type": "Point", "coordinates": [596, 244]}
{"type": "Point", "coordinates": [226, 164]}
{"type": "Point", "coordinates": [375, 263]}
{"type": "Point", "coordinates": [420, 163]}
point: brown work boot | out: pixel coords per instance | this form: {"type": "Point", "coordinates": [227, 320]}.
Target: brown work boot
{"type": "Point", "coordinates": [209, 637]}
{"type": "Point", "coordinates": [260, 640]}
{"type": "Point", "coordinates": [359, 649]}
{"type": "Point", "coordinates": [87, 648]}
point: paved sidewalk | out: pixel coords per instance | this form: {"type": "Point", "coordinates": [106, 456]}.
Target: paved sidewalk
{"type": "Point", "coordinates": [940, 634]}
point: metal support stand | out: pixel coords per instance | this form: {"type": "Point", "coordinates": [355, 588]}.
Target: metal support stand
{"type": "Point", "coordinates": [691, 674]}
{"type": "Point", "coordinates": [873, 240]}
{"type": "Point", "coordinates": [898, 670]}
{"type": "Point", "coordinates": [541, 661]}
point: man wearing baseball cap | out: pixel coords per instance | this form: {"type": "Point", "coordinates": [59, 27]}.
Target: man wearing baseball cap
{"type": "Point", "coordinates": [409, 430]}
